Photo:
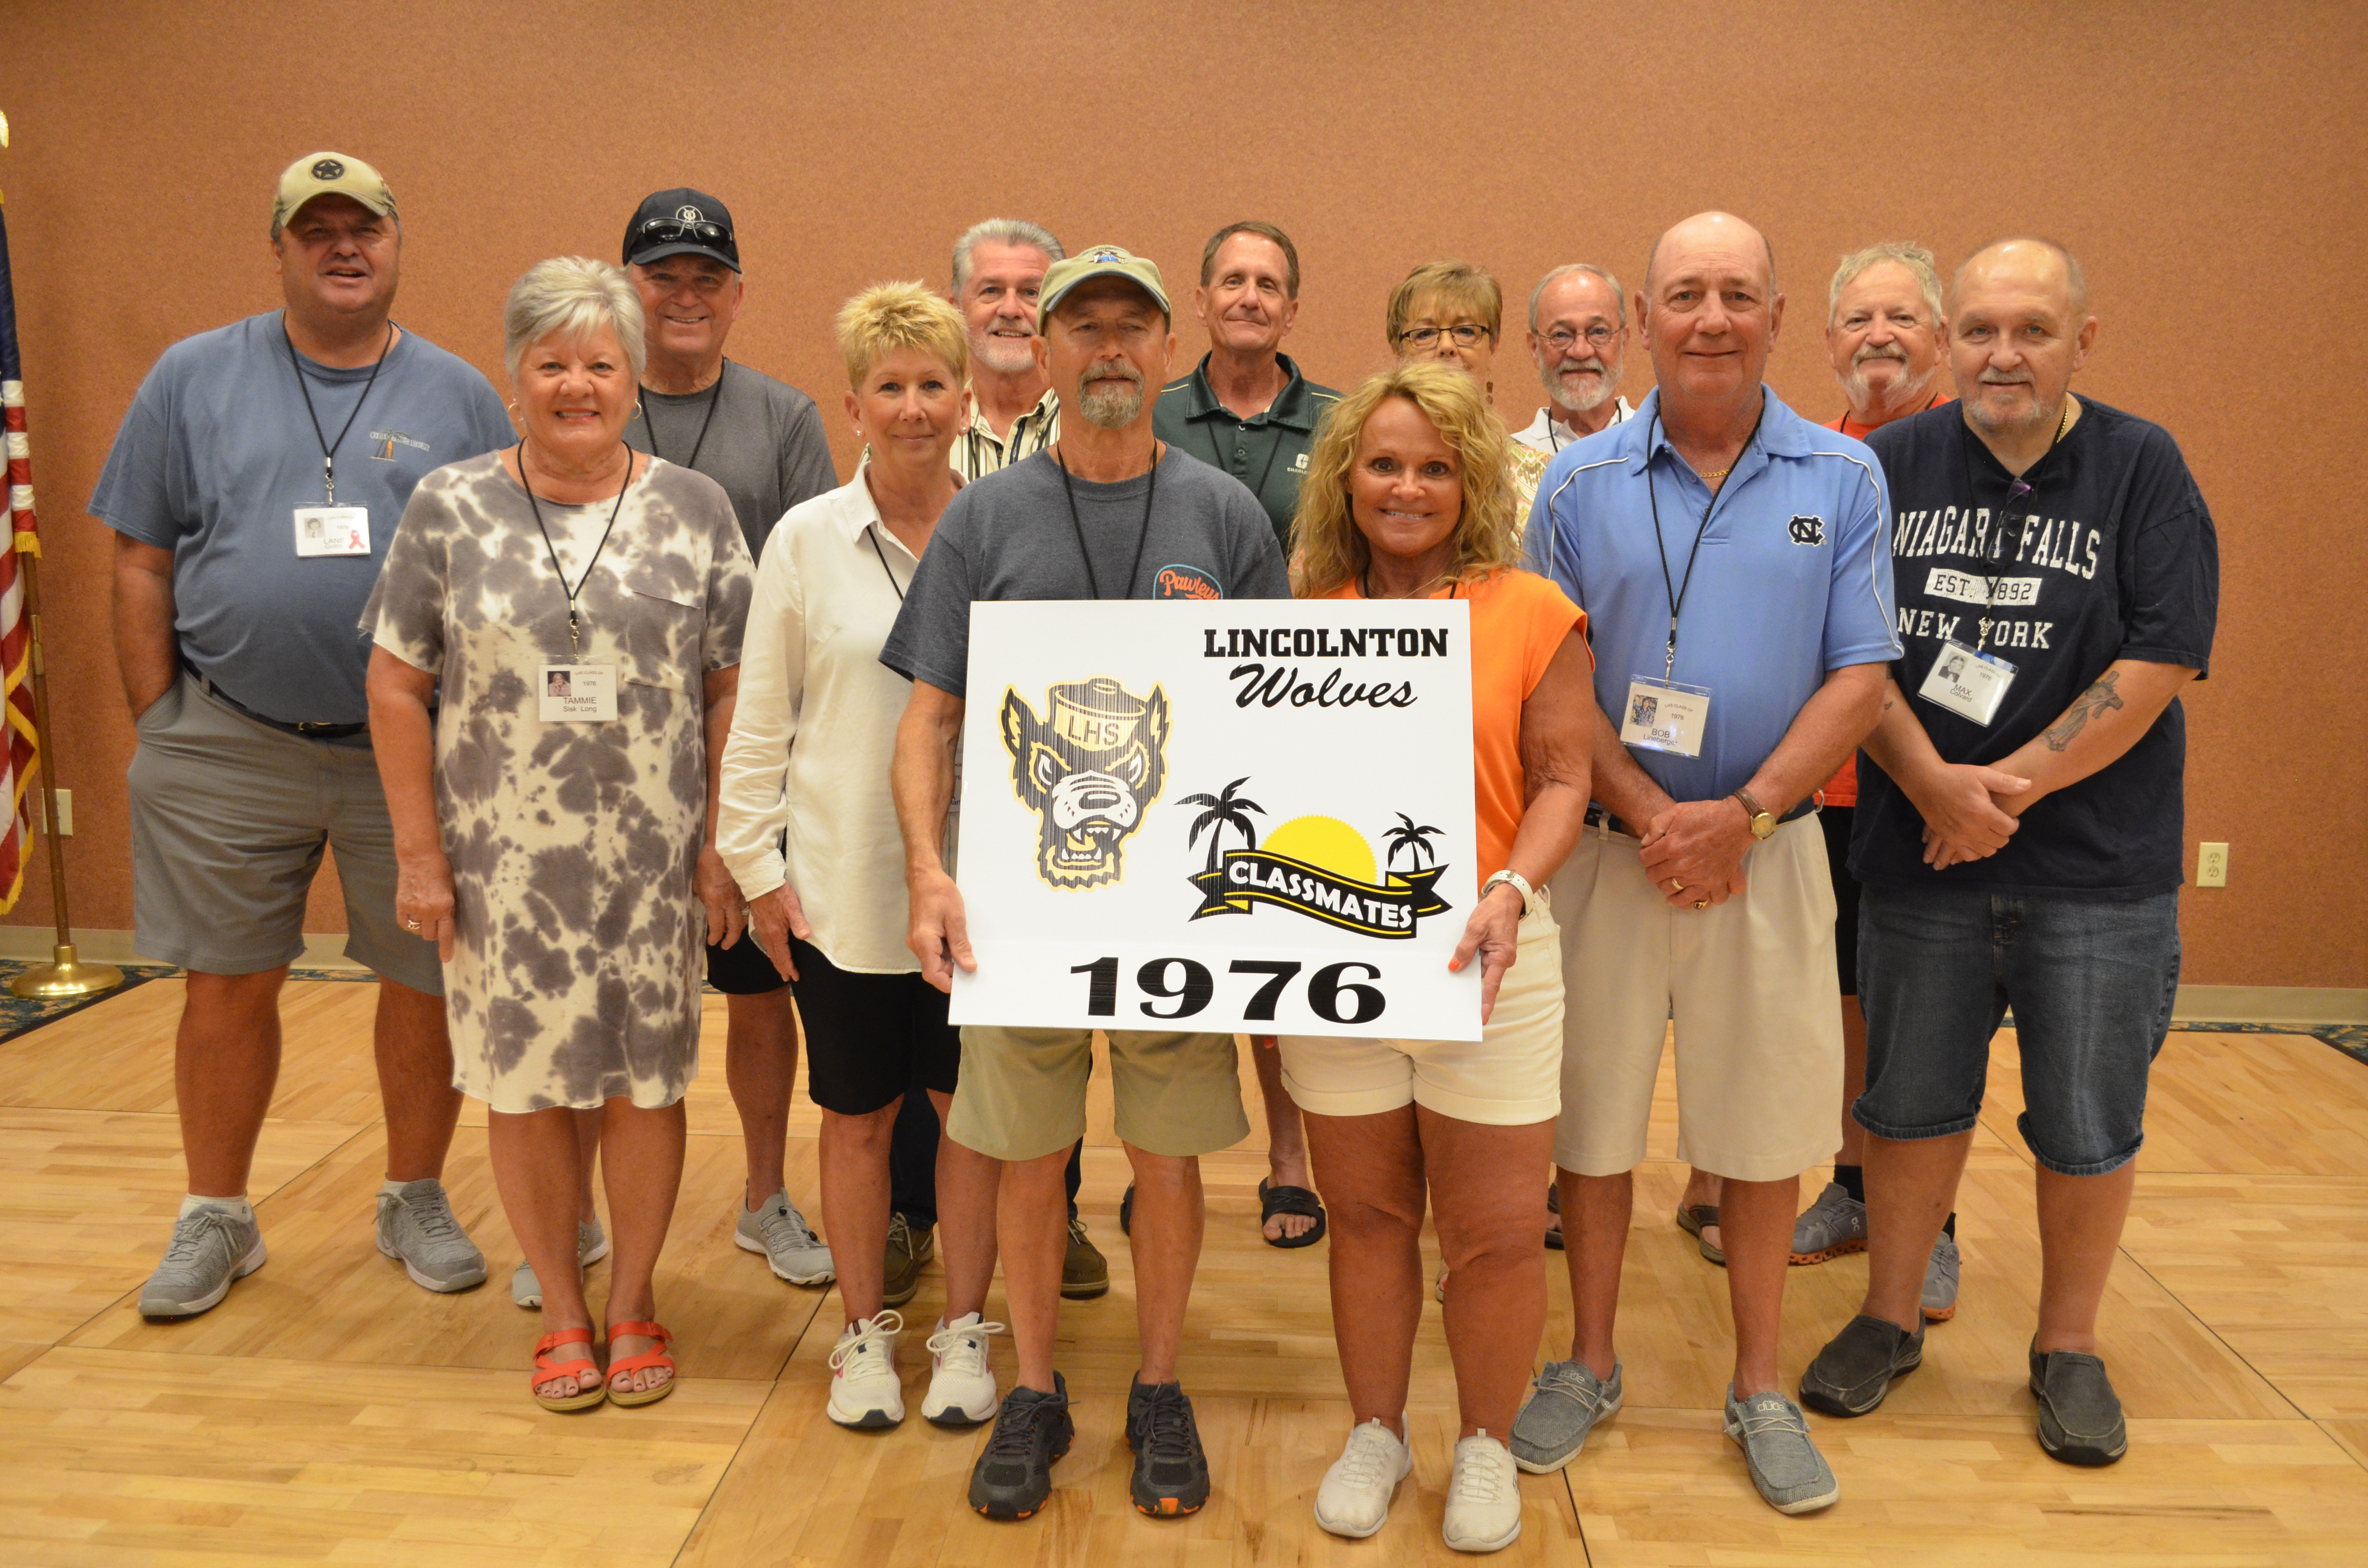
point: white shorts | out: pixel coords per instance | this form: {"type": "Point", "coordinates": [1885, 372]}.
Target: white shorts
{"type": "Point", "coordinates": [1750, 985]}
{"type": "Point", "coordinates": [1512, 1076]}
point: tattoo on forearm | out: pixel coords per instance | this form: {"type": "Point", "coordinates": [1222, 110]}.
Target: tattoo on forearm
{"type": "Point", "coordinates": [2087, 706]}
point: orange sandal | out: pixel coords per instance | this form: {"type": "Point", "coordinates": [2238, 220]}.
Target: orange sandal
{"type": "Point", "coordinates": [658, 1357]}
{"type": "Point", "coordinates": [547, 1367]}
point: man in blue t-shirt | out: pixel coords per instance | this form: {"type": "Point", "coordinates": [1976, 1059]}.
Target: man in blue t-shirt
{"type": "Point", "coordinates": [1732, 560]}
{"type": "Point", "coordinates": [252, 489]}
{"type": "Point", "coordinates": [2019, 837]}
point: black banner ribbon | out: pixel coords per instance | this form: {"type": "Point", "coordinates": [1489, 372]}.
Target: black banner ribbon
{"type": "Point", "coordinates": [1389, 910]}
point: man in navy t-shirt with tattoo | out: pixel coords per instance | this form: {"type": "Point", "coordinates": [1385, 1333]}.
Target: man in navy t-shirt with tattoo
{"type": "Point", "coordinates": [2019, 839]}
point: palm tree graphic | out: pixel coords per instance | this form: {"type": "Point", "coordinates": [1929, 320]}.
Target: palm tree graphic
{"type": "Point", "coordinates": [1415, 841]}
{"type": "Point", "coordinates": [1224, 810]}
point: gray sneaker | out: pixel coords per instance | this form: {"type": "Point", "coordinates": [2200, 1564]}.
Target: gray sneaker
{"type": "Point", "coordinates": [1786, 1465]}
{"type": "Point", "coordinates": [211, 1247]}
{"type": "Point", "coordinates": [1940, 1281]}
{"type": "Point", "coordinates": [1566, 1402]}
{"type": "Point", "coordinates": [418, 1226]}
{"type": "Point", "coordinates": [909, 1248]}
{"type": "Point", "coordinates": [1833, 1224]}
{"type": "Point", "coordinates": [778, 1230]}
{"type": "Point", "coordinates": [591, 1246]}
{"type": "Point", "coordinates": [2079, 1415]}
{"type": "Point", "coordinates": [1858, 1365]}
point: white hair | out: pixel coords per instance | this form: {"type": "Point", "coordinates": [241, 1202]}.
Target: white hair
{"type": "Point", "coordinates": [1899, 253]}
{"type": "Point", "coordinates": [1000, 232]}
{"type": "Point", "coordinates": [1619, 299]}
{"type": "Point", "coordinates": [574, 296]}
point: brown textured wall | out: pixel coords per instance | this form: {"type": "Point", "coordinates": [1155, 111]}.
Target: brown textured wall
{"type": "Point", "coordinates": [2204, 163]}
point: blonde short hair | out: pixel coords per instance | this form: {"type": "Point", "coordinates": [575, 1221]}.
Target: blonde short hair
{"type": "Point", "coordinates": [574, 296]}
{"type": "Point", "coordinates": [1452, 284]}
{"type": "Point", "coordinates": [1328, 549]}
{"type": "Point", "coordinates": [1899, 253]}
{"type": "Point", "coordinates": [890, 317]}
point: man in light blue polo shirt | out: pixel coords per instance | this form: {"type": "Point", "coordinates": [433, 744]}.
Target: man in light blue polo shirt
{"type": "Point", "coordinates": [1735, 567]}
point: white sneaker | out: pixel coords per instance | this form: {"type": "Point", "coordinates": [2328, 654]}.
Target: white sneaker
{"type": "Point", "coordinates": [1354, 1500]}
{"type": "Point", "coordinates": [1483, 1500]}
{"type": "Point", "coordinates": [961, 1384]}
{"type": "Point", "coordinates": [864, 1389]}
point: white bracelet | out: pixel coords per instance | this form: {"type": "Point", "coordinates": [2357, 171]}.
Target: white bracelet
{"type": "Point", "coordinates": [1519, 885]}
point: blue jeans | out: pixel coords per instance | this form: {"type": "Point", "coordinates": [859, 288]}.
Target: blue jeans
{"type": "Point", "coordinates": [2092, 983]}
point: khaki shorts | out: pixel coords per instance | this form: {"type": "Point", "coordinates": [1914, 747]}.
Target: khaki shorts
{"type": "Point", "coordinates": [1512, 1076]}
{"type": "Point", "coordinates": [1022, 1092]}
{"type": "Point", "coordinates": [1750, 985]}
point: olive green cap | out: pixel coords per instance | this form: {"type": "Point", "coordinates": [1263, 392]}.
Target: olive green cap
{"type": "Point", "coordinates": [329, 174]}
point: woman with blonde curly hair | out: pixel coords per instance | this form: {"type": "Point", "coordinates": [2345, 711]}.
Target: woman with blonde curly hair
{"type": "Point", "coordinates": [1407, 496]}
{"type": "Point", "coordinates": [1452, 314]}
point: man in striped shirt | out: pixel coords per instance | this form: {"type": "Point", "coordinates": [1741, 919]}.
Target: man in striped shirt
{"type": "Point", "coordinates": [998, 266]}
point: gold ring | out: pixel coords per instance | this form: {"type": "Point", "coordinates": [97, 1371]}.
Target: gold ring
{"type": "Point", "coordinates": [413, 923]}
{"type": "Point", "coordinates": [1701, 904]}
{"type": "Point", "coordinates": [1676, 886]}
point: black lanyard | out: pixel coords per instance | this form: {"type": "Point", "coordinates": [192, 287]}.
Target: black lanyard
{"type": "Point", "coordinates": [1150, 490]}
{"type": "Point", "coordinates": [872, 532]}
{"type": "Point", "coordinates": [1677, 590]}
{"type": "Point", "coordinates": [573, 647]}
{"type": "Point", "coordinates": [329, 447]}
{"type": "Point", "coordinates": [2016, 487]}
{"type": "Point", "coordinates": [642, 408]}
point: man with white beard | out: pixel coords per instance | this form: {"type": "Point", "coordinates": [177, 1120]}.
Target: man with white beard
{"type": "Point", "coordinates": [998, 266]}
{"type": "Point", "coordinates": [1883, 333]}
{"type": "Point", "coordinates": [1578, 335]}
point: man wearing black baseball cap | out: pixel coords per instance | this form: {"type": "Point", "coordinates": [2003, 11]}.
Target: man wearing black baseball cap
{"type": "Point", "coordinates": [763, 442]}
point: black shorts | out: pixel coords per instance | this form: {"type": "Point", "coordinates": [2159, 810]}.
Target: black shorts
{"type": "Point", "coordinates": [1836, 821]}
{"type": "Point", "coordinates": [871, 1036]}
{"type": "Point", "coordinates": [742, 969]}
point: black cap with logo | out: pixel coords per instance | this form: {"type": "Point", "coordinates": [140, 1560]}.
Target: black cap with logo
{"type": "Point", "coordinates": [680, 222]}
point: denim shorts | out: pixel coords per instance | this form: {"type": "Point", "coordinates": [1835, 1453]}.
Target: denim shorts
{"type": "Point", "coordinates": [2090, 981]}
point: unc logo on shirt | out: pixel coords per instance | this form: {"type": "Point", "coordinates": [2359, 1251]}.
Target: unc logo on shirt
{"type": "Point", "coordinates": [1185, 583]}
{"type": "Point", "coordinates": [1807, 529]}
{"type": "Point", "coordinates": [328, 169]}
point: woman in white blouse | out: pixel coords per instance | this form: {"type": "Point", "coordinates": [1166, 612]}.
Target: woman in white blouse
{"type": "Point", "coordinates": [808, 758]}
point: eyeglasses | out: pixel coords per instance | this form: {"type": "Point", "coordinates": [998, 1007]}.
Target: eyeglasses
{"type": "Point", "coordinates": [673, 231]}
{"type": "Point", "coordinates": [1598, 338]}
{"type": "Point", "coordinates": [1463, 336]}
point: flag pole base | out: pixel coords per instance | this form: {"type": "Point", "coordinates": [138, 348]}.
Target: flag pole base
{"type": "Point", "coordinates": [65, 977]}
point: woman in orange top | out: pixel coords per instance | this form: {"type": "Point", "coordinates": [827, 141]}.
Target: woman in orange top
{"type": "Point", "coordinates": [1409, 496]}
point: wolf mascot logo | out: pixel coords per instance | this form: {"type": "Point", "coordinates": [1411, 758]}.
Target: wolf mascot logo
{"type": "Point", "coordinates": [1089, 772]}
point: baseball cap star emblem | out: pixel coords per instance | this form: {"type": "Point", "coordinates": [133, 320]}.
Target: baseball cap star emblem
{"type": "Point", "coordinates": [328, 169]}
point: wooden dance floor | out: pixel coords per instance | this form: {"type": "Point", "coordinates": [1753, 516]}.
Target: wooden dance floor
{"type": "Point", "coordinates": [330, 1412]}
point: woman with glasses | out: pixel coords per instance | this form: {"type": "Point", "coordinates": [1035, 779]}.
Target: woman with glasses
{"type": "Point", "coordinates": [811, 744]}
{"type": "Point", "coordinates": [576, 609]}
{"type": "Point", "coordinates": [1452, 312]}
{"type": "Point", "coordinates": [1407, 497]}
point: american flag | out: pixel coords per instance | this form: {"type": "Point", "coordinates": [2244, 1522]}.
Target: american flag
{"type": "Point", "coordinates": [18, 756]}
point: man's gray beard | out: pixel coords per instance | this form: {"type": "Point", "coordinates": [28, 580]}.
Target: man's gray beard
{"type": "Point", "coordinates": [1854, 385]}
{"type": "Point", "coordinates": [994, 352]}
{"type": "Point", "coordinates": [1556, 394]}
{"type": "Point", "coordinates": [1110, 402]}
{"type": "Point", "coordinates": [2041, 416]}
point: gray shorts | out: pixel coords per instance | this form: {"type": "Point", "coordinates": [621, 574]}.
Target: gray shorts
{"type": "Point", "coordinates": [228, 821]}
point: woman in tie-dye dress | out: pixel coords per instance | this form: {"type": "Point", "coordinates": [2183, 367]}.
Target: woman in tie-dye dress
{"type": "Point", "coordinates": [556, 846]}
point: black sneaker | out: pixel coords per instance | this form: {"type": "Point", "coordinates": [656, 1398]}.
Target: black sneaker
{"type": "Point", "coordinates": [1171, 1474]}
{"type": "Point", "coordinates": [1014, 1472]}
{"type": "Point", "coordinates": [1855, 1370]}
{"type": "Point", "coordinates": [2079, 1415]}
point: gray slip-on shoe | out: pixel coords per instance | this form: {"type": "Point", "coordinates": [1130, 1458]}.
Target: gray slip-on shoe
{"type": "Point", "coordinates": [591, 1246]}
{"type": "Point", "coordinates": [2079, 1415]}
{"type": "Point", "coordinates": [776, 1230]}
{"type": "Point", "coordinates": [1791, 1476]}
{"type": "Point", "coordinates": [1566, 1402]}
{"type": "Point", "coordinates": [418, 1226]}
{"type": "Point", "coordinates": [1940, 1281]}
{"type": "Point", "coordinates": [1833, 1224]}
{"type": "Point", "coordinates": [211, 1247]}
{"type": "Point", "coordinates": [1855, 1370]}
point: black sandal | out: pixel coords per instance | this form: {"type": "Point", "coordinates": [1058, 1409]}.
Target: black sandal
{"type": "Point", "coordinates": [1126, 1211]}
{"type": "Point", "coordinates": [1274, 1201]}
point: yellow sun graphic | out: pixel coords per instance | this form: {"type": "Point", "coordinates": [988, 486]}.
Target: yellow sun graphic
{"type": "Point", "coordinates": [1327, 843]}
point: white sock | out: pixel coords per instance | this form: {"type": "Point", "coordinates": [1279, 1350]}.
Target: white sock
{"type": "Point", "coordinates": [238, 1205]}
{"type": "Point", "coordinates": [391, 1188]}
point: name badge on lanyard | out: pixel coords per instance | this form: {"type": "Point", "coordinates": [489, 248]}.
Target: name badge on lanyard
{"type": "Point", "coordinates": [578, 694]}
{"type": "Point", "coordinates": [1967, 682]}
{"type": "Point", "coordinates": [1664, 716]}
{"type": "Point", "coordinates": [333, 530]}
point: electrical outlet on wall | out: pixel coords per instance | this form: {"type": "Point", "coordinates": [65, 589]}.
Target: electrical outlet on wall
{"type": "Point", "coordinates": [2211, 865]}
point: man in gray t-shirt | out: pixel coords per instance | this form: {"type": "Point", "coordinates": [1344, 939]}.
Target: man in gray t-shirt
{"type": "Point", "coordinates": [1108, 512]}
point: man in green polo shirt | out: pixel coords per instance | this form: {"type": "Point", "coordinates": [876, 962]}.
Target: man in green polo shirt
{"type": "Point", "coordinates": [1245, 408]}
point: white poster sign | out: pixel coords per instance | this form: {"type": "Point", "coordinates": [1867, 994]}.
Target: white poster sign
{"type": "Point", "coordinates": [1229, 816]}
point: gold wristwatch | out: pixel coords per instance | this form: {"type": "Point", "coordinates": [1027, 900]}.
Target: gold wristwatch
{"type": "Point", "coordinates": [1763, 822]}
